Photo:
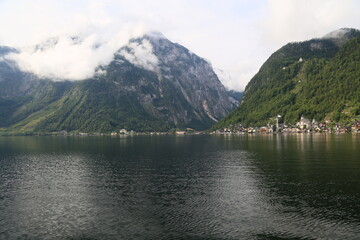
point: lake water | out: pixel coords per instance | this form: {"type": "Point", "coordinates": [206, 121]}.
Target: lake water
{"type": "Point", "coordinates": [181, 187]}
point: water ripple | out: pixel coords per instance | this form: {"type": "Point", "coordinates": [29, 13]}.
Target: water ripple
{"type": "Point", "coordinates": [201, 187]}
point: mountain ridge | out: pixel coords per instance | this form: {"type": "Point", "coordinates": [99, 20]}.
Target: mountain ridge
{"type": "Point", "coordinates": [293, 80]}
{"type": "Point", "coordinates": [152, 84]}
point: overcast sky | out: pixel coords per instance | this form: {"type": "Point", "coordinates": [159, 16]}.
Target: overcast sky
{"type": "Point", "coordinates": [236, 36]}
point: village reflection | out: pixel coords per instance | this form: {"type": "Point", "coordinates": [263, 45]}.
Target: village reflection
{"type": "Point", "coordinates": [231, 186]}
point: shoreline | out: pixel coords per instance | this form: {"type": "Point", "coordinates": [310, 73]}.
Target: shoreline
{"type": "Point", "coordinates": [56, 134]}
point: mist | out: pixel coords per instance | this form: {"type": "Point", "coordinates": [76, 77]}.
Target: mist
{"type": "Point", "coordinates": [235, 36]}
{"type": "Point", "coordinates": [70, 57]}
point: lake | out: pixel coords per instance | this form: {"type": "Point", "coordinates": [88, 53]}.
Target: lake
{"type": "Point", "coordinates": [301, 186]}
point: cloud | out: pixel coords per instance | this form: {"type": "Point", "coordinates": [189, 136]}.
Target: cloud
{"type": "Point", "coordinates": [299, 20]}
{"type": "Point", "coordinates": [235, 35]}
{"type": "Point", "coordinates": [340, 33]}
{"type": "Point", "coordinates": [141, 55]}
{"type": "Point", "coordinates": [244, 69]}
{"type": "Point", "coordinates": [69, 58]}
{"type": "Point", "coordinates": [208, 30]}
{"type": "Point", "coordinates": [85, 36]}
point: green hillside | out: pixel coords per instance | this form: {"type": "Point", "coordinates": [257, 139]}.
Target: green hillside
{"type": "Point", "coordinates": [318, 79]}
{"type": "Point", "coordinates": [180, 90]}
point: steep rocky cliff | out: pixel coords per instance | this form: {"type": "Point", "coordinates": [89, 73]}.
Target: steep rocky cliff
{"type": "Point", "coordinates": [151, 84]}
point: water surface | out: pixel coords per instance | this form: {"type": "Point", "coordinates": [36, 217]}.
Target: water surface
{"type": "Point", "coordinates": [180, 187]}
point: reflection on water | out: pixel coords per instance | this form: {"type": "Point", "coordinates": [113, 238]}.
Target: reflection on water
{"type": "Point", "coordinates": [188, 187]}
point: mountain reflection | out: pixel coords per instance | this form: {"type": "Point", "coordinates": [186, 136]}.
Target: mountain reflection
{"type": "Point", "coordinates": [189, 187]}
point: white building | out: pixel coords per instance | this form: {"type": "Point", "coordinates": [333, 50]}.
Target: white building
{"type": "Point", "coordinates": [123, 131]}
{"type": "Point", "coordinates": [304, 123]}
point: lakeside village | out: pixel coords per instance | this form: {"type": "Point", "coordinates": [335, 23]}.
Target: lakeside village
{"type": "Point", "coordinates": [124, 132]}
{"type": "Point", "coordinates": [303, 126]}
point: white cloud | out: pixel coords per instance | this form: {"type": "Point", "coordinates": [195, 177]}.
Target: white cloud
{"type": "Point", "coordinates": [243, 69]}
{"type": "Point", "coordinates": [299, 20]}
{"type": "Point", "coordinates": [141, 55]}
{"type": "Point", "coordinates": [235, 35]}
{"type": "Point", "coordinates": [69, 59]}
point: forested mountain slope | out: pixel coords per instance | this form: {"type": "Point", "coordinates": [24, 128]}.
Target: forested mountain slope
{"type": "Point", "coordinates": [319, 79]}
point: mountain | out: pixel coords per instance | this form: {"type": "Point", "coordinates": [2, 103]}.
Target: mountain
{"type": "Point", "coordinates": [152, 84]}
{"type": "Point", "coordinates": [318, 79]}
{"type": "Point", "coordinates": [235, 97]}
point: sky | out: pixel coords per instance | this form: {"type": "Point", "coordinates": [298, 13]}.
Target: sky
{"type": "Point", "coordinates": [235, 36]}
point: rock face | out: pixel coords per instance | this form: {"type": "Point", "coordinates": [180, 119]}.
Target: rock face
{"type": "Point", "coordinates": [151, 84]}
{"type": "Point", "coordinates": [185, 83]}
{"type": "Point", "coordinates": [235, 97]}
{"type": "Point", "coordinates": [318, 79]}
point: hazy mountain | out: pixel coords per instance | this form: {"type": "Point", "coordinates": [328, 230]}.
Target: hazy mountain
{"type": "Point", "coordinates": [151, 84]}
{"type": "Point", "coordinates": [235, 97]}
{"type": "Point", "coordinates": [319, 78]}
